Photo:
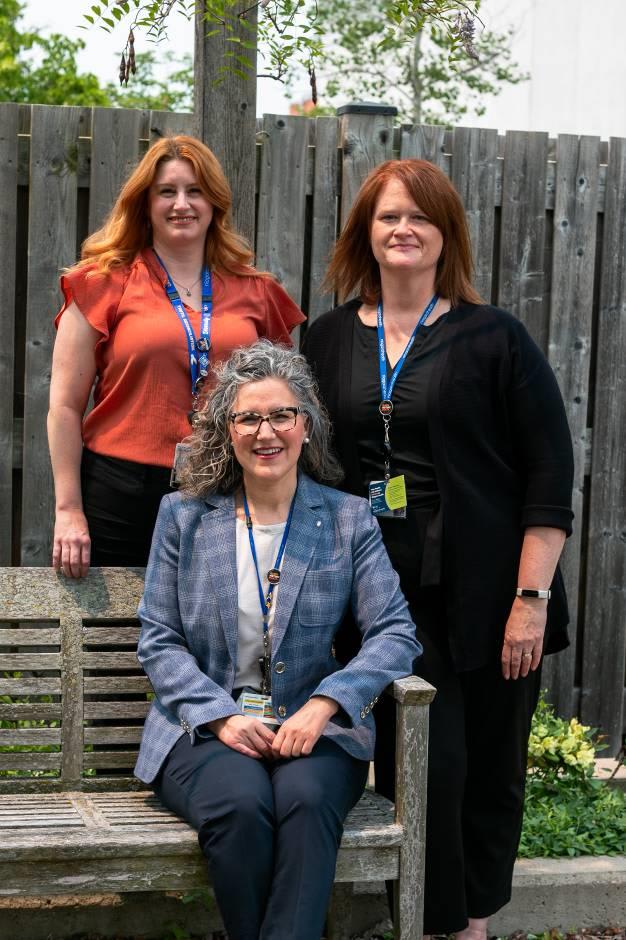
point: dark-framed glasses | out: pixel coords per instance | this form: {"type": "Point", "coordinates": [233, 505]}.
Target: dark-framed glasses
{"type": "Point", "coordinates": [280, 419]}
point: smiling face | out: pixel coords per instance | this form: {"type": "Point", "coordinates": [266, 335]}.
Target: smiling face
{"type": "Point", "coordinates": [402, 237]}
{"type": "Point", "coordinates": [179, 211]}
{"type": "Point", "coordinates": [268, 456]}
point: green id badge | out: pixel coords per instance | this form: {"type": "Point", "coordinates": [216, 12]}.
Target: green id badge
{"type": "Point", "coordinates": [387, 498]}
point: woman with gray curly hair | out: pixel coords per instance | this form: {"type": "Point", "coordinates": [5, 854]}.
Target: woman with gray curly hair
{"type": "Point", "coordinates": [253, 566]}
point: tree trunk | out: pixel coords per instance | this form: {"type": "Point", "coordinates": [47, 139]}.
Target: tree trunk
{"type": "Point", "coordinates": [226, 111]}
{"type": "Point", "coordinates": [416, 78]}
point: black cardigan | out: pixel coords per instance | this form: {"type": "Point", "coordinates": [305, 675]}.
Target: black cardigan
{"type": "Point", "coordinates": [503, 459]}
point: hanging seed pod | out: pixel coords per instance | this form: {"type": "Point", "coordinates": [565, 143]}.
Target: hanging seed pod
{"type": "Point", "coordinates": [123, 69]}
{"type": "Point", "coordinates": [313, 81]}
{"type": "Point", "coordinates": [131, 52]}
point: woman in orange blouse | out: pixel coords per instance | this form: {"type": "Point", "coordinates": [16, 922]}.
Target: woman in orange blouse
{"type": "Point", "coordinates": [162, 291]}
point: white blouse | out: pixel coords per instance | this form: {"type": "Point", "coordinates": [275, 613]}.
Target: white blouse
{"type": "Point", "coordinates": [267, 540]}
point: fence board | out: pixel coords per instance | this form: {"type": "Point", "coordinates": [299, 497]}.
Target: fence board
{"type": "Point", "coordinates": [605, 611]}
{"type": "Point", "coordinates": [522, 275]}
{"type": "Point", "coordinates": [114, 153]}
{"type": "Point", "coordinates": [8, 226]}
{"type": "Point", "coordinates": [424, 142]}
{"type": "Point", "coordinates": [324, 213]}
{"type": "Point", "coordinates": [167, 123]}
{"type": "Point", "coordinates": [282, 201]}
{"type": "Point", "coordinates": [569, 352]}
{"type": "Point", "coordinates": [475, 155]}
{"type": "Point", "coordinates": [366, 140]}
{"type": "Point", "coordinates": [51, 245]}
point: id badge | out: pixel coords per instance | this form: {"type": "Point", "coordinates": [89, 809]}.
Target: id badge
{"type": "Point", "coordinates": [255, 705]}
{"type": "Point", "coordinates": [180, 458]}
{"type": "Point", "coordinates": [388, 498]}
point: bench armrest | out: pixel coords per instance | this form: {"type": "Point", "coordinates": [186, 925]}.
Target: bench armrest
{"type": "Point", "coordinates": [411, 690]}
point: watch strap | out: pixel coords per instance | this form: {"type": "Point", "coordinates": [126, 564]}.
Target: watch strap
{"type": "Point", "coordinates": [533, 592]}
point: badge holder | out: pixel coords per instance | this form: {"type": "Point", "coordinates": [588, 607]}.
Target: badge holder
{"type": "Point", "coordinates": [387, 497]}
{"type": "Point", "coordinates": [256, 705]}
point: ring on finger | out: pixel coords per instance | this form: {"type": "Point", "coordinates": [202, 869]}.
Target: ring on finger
{"type": "Point", "coordinates": [527, 655]}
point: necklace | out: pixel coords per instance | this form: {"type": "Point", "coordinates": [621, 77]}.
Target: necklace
{"type": "Point", "coordinates": [186, 289]}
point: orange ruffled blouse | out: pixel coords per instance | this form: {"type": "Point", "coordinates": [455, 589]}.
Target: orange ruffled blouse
{"type": "Point", "coordinates": [142, 394]}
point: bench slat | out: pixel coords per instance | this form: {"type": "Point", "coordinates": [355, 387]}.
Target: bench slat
{"type": "Point", "coordinates": [115, 709]}
{"type": "Point", "coordinates": [113, 685]}
{"type": "Point", "coordinates": [33, 760]}
{"type": "Point", "coordinates": [19, 637]}
{"type": "Point", "coordinates": [101, 661]}
{"type": "Point", "coordinates": [32, 711]}
{"type": "Point", "coordinates": [110, 759]}
{"type": "Point", "coordinates": [29, 686]}
{"type": "Point", "coordinates": [29, 736]}
{"type": "Point", "coordinates": [113, 735]}
{"type": "Point", "coordinates": [17, 661]}
{"type": "Point", "coordinates": [109, 636]}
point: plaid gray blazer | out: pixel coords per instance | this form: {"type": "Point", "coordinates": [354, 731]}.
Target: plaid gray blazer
{"type": "Point", "coordinates": [188, 643]}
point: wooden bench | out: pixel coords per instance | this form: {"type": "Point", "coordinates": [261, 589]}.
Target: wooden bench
{"type": "Point", "coordinates": [73, 820]}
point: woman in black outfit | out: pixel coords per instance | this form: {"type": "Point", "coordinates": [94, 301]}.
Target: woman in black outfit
{"type": "Point", "coordinates": [429, 387]}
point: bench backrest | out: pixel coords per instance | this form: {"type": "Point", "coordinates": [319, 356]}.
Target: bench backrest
{"type": "Point", "coordinates": [72, 696]}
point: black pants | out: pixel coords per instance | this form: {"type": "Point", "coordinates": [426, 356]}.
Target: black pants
{"type": "Point", "coordinates": [270, 830]}
{"type": "Point", "coordinates": [478, 742]}
{"type": "Point", "coordinates": [121, 501]}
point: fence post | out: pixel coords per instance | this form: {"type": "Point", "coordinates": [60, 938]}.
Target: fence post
{"type": "Point", "coordinates": [366, 139]}
{"type": "Point", "coordinates": [225, 105]}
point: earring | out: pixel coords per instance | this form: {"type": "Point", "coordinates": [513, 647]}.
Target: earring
{"type": "Point", "coordinates": [307, 440]}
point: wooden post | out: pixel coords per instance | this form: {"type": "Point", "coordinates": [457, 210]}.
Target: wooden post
{"type": "Point", "coordinates": [225, 107]}
{"type": "Point", "coordinates": [366, 136]}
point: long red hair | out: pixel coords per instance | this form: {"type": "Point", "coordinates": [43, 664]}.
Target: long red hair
{"type": "Point", "coordinates": [353, 267]}
{"type": "Point", "coordinates": [127, 231]}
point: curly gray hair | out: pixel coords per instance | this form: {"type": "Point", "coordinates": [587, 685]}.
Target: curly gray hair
{"type": "Point", "coordinates": [211, 463]}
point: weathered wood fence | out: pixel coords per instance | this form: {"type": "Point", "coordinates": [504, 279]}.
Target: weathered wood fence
{"type": "Point", "coordinates": [548, 224]}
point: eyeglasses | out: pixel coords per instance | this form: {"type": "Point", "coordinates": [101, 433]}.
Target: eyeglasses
{"type": "Point", "coordinates": [280, 419]}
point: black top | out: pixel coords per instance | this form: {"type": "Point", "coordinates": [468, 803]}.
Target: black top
{"type": "Point", "coordinates": [410, 441]}
{"type": "Point", "coordinates": [502, 455]}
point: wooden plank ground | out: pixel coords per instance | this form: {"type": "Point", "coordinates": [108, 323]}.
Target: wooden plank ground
{"type": "Point", "coordinates": [8, 226]}
{"type": "Point", "coordinates": [569, 352]}
{"type": "Point", "coordinates": [522, 274]}
{"type": "Point", "coordinates": [604, 655]}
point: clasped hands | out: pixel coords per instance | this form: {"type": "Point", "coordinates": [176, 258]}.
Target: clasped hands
{"type": "Point", "coordinates": [296, 737]}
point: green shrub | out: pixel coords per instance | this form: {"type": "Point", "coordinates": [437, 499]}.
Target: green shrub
{"type": "Point", "coordinates": [566, 812]}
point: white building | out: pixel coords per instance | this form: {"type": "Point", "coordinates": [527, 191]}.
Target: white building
{"type": "Point", "coordinates": [574, 52]}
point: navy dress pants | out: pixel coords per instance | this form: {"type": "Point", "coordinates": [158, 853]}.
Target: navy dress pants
{"type": "Point", "coordinates": [270, 830]}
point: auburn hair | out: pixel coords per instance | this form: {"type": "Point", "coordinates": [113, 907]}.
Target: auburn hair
{"type": "Point", "coordinates": [353, 267]}
{"type": "Point", "coordinates": [127, 229]}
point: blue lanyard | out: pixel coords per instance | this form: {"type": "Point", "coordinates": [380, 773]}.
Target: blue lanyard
{"type": "Point", "coordinates": [273, 577]}
{"type": "Point", "coordinates": [386, 389]}
{"type": "Point", "coordinates": [198, 349]}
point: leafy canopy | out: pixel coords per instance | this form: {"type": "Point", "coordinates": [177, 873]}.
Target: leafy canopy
{"type": "Point", "coordinates": [42, 69]}
{"type": "Point", "coordinates": [422, 72]}
{"type": "Point", "coordinates": [36, 68]}
{"type": "Point", "coordinates": [287, 32]}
